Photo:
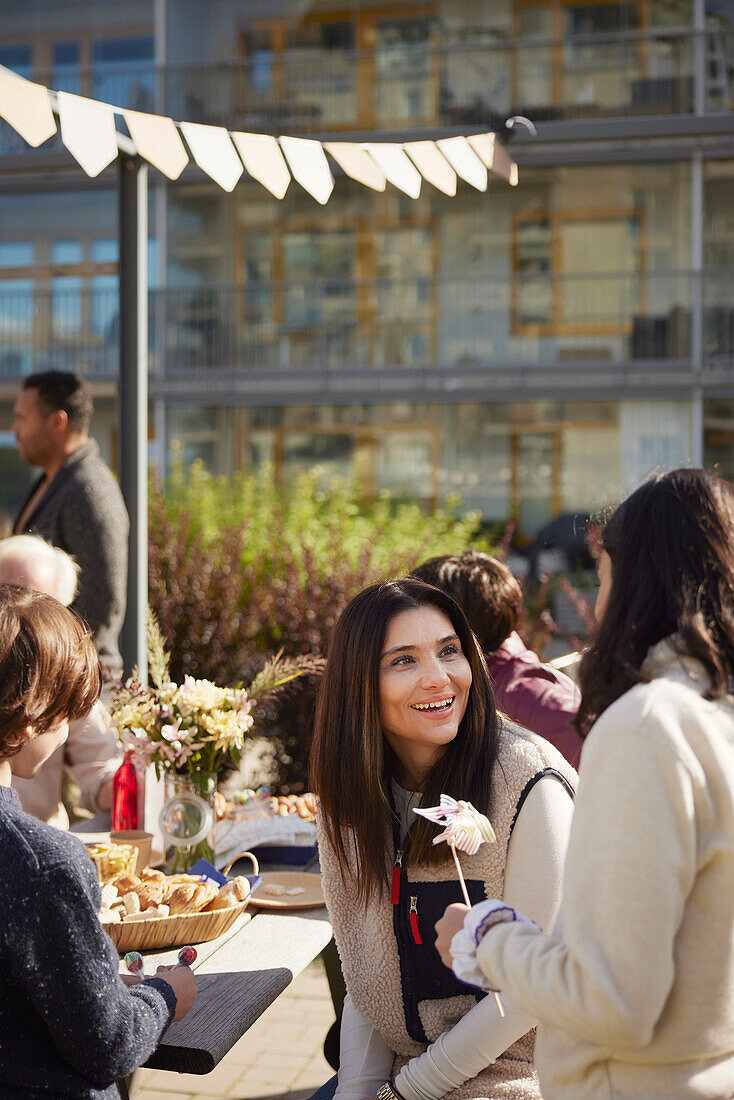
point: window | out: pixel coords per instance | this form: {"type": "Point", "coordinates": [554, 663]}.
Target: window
{"type": "Point", "coordinates": [577, 271]}
{"type": "Point", "coordinates": [66, 290]}
{"type": "Point", "coordinates": [66, 74]}
{"type": "Point", "coordinates": [123, 72]}
{"type": "Point", "coordinates": [16, 254]}
{"type": "Point", "coordinates": [320, 286]}
{"type": "Point", "coordinates": [17, 58]}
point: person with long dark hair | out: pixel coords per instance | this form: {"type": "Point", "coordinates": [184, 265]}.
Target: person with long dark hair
{"type": "Point", "coordinates": [634, 988]}
{"type": "Point", "coordinates": [405, 713]}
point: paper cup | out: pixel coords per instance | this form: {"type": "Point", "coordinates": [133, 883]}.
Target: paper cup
{"type": "Point", "coordinates": [138, 839]}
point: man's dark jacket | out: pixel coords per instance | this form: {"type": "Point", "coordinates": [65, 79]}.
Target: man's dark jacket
{"type": "Point", "coordinates": [83, 513]}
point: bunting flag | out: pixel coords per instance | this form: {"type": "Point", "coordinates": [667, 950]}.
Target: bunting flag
{"type": "Point", "coordinates": [88, 131]}
{"type": "Point", "coordinates": [309, 166]}
{"type": "Point", "coordinates": [263, 160]}
{"type": "Point", "coordinates": [399, 169]}
{"type": "Point", "coordinates": [157, 139]}
{"type": "Point", "coordinates": [356, 163]}
{"type": "Point", "coordinates": [214, 153]}
{"type": "Point", "coordinates": [26, 107]}
{"type": "Point", "coordinates": [464, 161]}
{"type": "Point", "coordinates": [432, 165]}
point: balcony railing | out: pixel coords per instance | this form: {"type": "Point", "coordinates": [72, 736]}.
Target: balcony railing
{"type": "Point", "coordinates": [426, 84]}
{"type": "Point", "coordinates": [226, 331]}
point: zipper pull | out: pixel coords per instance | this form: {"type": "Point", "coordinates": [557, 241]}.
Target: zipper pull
{"type": "Point", "coordinates": [395, 889]}
{"type": "Point", "coordinates": [413, 918]}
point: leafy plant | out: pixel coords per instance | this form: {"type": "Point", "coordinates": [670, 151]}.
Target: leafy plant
{"type": "Point", "coordinates": [240, 568]}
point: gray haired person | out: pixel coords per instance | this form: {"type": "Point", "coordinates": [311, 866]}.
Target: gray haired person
{"type": "Point", "coordinates": [92, 752]}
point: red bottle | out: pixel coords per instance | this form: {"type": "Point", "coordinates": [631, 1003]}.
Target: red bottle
{"type": "Point", "coordinates": [125, 796]}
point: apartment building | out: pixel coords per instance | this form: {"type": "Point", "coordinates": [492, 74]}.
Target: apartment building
{"type": "Point", "coordinates": [534, 350]}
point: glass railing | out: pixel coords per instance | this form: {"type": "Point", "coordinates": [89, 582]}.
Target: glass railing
{"type": "Point", "coordinates": [480, 84]}
{"type": "Point", "coordinates": [471, 324]}
{"type": "Point", "coordinates": [430, 84]}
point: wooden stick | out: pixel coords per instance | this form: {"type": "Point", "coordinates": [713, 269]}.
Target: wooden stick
{"type": "Point", "coordinates": [462, 883]}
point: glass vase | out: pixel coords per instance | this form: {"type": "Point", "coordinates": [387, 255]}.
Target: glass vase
{"type": "Point", "coordinates": [188, 819]}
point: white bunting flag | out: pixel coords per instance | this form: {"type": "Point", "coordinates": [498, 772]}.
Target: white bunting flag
{"type": "Point", "coordinates": [309, 166]}
{"type": "Point", "coordinates": [213, 152]}
{"type": "Point", "coordinates": [399, 169]}
{"type": "Point", "coordinates": [464, 161]}
{"type": "Point", "coordinates": [88, 131]}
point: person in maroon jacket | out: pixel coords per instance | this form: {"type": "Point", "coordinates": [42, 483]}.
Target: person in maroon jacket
{"type": "Point", "coordinates": [533, 694]}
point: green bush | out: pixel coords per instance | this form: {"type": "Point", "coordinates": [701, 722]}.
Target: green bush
{"type": "Point", "coordinates": [240, 567]}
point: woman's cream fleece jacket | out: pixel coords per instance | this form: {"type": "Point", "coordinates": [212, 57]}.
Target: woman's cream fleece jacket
{"type": "Point", "coordinates": [634, 990]}
{"type": "Point", "coordinates": [367, 944]}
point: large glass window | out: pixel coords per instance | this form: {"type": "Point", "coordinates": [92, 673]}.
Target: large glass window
{"type": "Point", "coordinates": [528, 461]}
{"type": "Point", "coordinates": [321, 73]}
{"type": "Point", "coordinates": [66, 290]}
{"type": "Point", "coordinates": [66, 72]}
{"type": "Point", "coordinates": [406, 70]}
{"type": "Point", "coordinates": [579, 58]}
{"type": "Point", "coordinates": [123, 72]}
{"type": "Point", "coordinates": [319, 270]}
{"type": "Point", "coordinates": [718, 254]}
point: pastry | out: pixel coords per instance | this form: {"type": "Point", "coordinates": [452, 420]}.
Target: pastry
{"type": "Point", "coordinates": [191, 897]}
{"type": "Point", "coordinates": [152, 874]}
{"type": "Point", "coordinates": [232, 893]}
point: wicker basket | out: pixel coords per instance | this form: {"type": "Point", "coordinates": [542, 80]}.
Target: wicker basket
{"type": "Point", "coordinates": [157, 933]}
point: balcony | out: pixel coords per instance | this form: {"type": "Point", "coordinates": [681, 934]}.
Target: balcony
{"type": "Point", "coordinates": [605, 330]}
{"type": "Point", "coordinates": [425, 84]}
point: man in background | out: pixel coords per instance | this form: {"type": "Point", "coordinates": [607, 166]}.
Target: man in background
{"type": "Point", "coordinates": [76, 503]}
{"type": "Point", "coordinates": [92, 752]}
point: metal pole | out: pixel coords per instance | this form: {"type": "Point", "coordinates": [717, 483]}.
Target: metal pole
{"type": "Point", "coordinates": [133, 400]}
{"type": "Point", "coordinates": [697, 305]}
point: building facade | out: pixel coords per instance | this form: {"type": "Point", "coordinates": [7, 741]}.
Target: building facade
{"type": "Point", "coordinates": [535, 350]}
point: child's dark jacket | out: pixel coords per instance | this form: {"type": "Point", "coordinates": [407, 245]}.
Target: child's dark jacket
{"type": "Point", "coordinates": [68, 1026]}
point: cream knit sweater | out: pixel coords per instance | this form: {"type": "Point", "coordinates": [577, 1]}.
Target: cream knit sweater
{"type": "Point", "coordinates": [634, 990]}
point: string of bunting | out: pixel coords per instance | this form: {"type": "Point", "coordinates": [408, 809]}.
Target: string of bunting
{"type": "Point", "coordinates": [88, 132]}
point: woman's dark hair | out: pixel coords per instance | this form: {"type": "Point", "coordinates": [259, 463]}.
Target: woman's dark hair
{"type": "Point", "coordinates": [351, 762]}
{"type": "Point", "coordinates": [49, 668]}
{"type": "Point", "coordinates": [672, 549]}
{"type": "Point", "coordinates": [485, 590]}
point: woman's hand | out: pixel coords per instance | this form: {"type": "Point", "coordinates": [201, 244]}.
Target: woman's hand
{"type": "Point", "coordinates": [446, 928]}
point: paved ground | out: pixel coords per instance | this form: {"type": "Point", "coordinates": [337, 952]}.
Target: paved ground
{"type": "Point", "coordinates": [279, 1058]}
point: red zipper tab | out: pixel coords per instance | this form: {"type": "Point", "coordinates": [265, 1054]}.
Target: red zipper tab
{"type": "Point", "coordinates": [413, 918]}
{"type": "Point", "coordinates": [395, 889]}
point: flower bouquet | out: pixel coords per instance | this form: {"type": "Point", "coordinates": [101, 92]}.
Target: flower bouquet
{"type": "Point", "coordinates": [193, 732]}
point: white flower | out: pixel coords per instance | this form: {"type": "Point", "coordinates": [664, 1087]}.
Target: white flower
{"type": "Point", "coordinates": [170, 732]}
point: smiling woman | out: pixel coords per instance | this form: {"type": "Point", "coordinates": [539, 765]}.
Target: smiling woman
{"type": "Point", "coordinates": [424, 686]}
{"type": "Point", "coordinates": [406, 713]}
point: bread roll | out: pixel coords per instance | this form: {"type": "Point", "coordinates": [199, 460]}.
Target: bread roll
{"type": "Point", "coordinates": [191, 897]}
{"type": "Point", "coordinates": [150, 893]}
{"type": "Point", "coordinates": [152, 874]}
{"type": "Point", "coordinates": [124, 882]}
{"type": "Point", "coordinates": [232, 893]}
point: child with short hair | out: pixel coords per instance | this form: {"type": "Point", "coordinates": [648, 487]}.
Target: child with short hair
{"type": "Point", "coordinates": [69, 1025]}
